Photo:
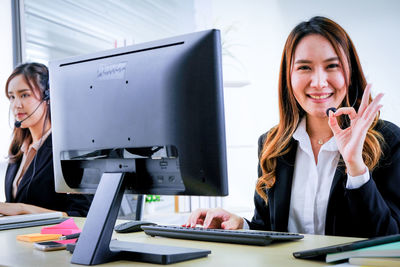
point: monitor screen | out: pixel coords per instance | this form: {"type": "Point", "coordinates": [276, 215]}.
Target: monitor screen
{"type": "Point", "coordinates": [154, 111]}
{"type": "Point", "coordinates": [148, 119]}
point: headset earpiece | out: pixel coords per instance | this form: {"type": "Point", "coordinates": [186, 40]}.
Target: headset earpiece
{"type": "Point", "coordinates": [46, 95]}
{"type": "Point", "coordinates": [46, 92]}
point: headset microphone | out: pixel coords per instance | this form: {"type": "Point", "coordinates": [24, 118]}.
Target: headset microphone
{"type": "Point", "coordinates": [17, 124]}
{"type": "Point", "coordinates": [334, 109]}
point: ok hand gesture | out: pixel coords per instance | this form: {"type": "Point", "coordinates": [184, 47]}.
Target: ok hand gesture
{"type": "Point", "coordinates": [350, 141]}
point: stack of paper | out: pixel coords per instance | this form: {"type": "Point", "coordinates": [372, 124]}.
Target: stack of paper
{"type": "Point", "coordinates": [381, 262]}
{"type": "Point", "coordinates": [380, 255]}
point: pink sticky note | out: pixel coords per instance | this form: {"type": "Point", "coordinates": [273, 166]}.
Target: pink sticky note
{"type": "Point", "coordinates": [67, 241]}
{"type": "Point", "coordinates": [67, 227]}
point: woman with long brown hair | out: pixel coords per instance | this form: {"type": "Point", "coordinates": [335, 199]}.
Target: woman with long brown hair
{"type": "Point", "coordinates": [330, 166]}
{"type": "Point", "coordinates": [29, 183]}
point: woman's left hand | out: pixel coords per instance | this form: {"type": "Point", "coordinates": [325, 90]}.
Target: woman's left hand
{"type": "Point", "coordinates": [22, 208]}
{"type": "Point", "coordinates": [350, 141]}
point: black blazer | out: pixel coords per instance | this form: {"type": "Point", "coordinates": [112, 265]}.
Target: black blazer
{"type": "Point", "coordinates": [39, 190]}
{"type": "Point", "coordinates": [369, 211]}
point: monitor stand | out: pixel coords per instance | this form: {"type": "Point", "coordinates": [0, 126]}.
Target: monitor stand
{"type": "Point", "coordinates": [94, 247]}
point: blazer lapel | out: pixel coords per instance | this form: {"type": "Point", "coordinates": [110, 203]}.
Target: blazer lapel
{"type": "Point", "coordinates": [335, 192]}
{"type": "Point", "coordinates": [339, 173]}
{"type": "Point", "coordinates": [280, 193]}
{"type": "Point", "coordinates": [12, 170]}
{"type": "Point", "coordinates": [38, 162]}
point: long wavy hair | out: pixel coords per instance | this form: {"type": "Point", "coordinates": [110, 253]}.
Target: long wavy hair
{"type": "Point", "coordinates": [278, 140]}
{"type": "Point", "coordinates": [36, 75]}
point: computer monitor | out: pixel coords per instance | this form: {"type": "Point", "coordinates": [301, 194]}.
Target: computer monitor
{"type": "Point", "coordinates": [148, 119]}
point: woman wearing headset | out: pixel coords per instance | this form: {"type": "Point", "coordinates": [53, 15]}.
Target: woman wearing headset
{"type": "Point", "coordinates": [29, 182]}
{"type": "Point", "coordinates": [323, 172]}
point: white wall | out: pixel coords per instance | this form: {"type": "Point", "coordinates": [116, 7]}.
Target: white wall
{"type": "Point", "coordinates": [260, 30]}
{"type": "Point", "coordinates": [5, 70]}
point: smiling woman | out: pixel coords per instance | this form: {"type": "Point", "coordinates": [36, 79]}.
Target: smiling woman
{"type": "Point", "coordinates": [317, 77]}
{"type": "Point", "coordinates": [29, 183]}
{"type": "Point", "coordinates": [314, 160]}
{"type": "Point", "coordinates": [318, 83]}
{"type": "Point", "coordinates": [334, 173]}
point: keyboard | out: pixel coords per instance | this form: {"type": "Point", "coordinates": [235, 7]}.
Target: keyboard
{"type": "Point", "coordinates": [246, 237]}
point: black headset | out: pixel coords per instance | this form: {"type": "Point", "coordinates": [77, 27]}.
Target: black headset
{"type": "Point", "coordinates": [353, 105]}
{"type": "Point", "coordinates": [46, 97]}
{"type": "Point", "coordinates": [46, 92]}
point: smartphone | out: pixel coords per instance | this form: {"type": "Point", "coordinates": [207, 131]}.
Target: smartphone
{"type": "Point", "coordinates": [50, 245]}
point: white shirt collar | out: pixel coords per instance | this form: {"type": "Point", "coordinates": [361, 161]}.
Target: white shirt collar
{"type": "Point", "coordinates": [303, 138]}
{"type": "Point", "coordinates": [36, 145]}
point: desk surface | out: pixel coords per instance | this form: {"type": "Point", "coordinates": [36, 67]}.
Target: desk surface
{"type": "Point", "coordinates": [18, 253]}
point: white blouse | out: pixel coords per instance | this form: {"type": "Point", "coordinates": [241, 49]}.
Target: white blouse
{"type": "Point", "coordinates": [312, 184]}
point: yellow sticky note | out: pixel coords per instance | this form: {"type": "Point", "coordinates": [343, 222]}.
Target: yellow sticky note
{"type": "Point", "coordinates": [38, 237]}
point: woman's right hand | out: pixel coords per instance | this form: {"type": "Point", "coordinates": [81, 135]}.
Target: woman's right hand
{"type": "Point", "coordinates": [11, 208]}
{"type": "Point", "coordinates": [214, 218]}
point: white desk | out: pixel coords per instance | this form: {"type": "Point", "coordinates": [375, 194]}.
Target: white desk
{"type": "Point", "coordinates": [18, 253]}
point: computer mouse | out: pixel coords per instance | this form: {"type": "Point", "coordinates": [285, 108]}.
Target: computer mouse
{"type": "Point", "coordinates": [131, 226]}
